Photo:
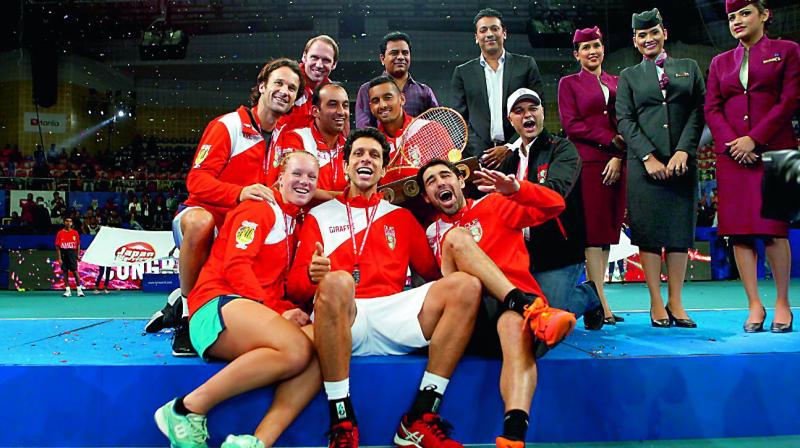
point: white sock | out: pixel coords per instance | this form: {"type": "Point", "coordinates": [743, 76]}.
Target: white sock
{"type": "Point", "coordinates": [185, 306]}
{"type": "Point", "coordinates": [337, 390]}
{"type": "Point", "coordinates": [67, 290]}
{"type": "Point", "coordinates": [80, 288]}
{"type": "Point", "coordinates": [431, 381]}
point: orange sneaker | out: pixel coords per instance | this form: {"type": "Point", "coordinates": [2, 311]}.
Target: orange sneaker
{"type": "Point", "coordinates": [550, 325]}
{"type": "Point", "coordinates": [502, 442]}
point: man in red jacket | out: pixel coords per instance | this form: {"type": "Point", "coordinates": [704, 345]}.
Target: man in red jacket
{"type": "Point", "coordinates": [324, 137]}
{"type": "Point", "coordinates": [480, 236]}
{"type": "Point", "coordinates": [353, 259]}
{"type": "Point", "coordinates": [229, 167]}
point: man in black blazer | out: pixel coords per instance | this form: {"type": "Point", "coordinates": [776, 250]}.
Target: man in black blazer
{"type": "Point", "coordinates": [482, 85]}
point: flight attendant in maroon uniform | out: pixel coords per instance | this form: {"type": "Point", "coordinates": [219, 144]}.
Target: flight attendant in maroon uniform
{"type": "Point", "coordinates": [753, 91]}
{"type": "Point", "coordinates": [586, 105]}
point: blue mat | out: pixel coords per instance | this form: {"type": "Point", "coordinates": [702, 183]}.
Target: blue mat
{"type": "Point", "coordinates": [94, 382]}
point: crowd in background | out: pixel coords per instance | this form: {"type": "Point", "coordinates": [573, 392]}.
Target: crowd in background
{"type": "Point", "coordinates": [148, 177]}
{"type": "Point", "coordinates": [144, 165]}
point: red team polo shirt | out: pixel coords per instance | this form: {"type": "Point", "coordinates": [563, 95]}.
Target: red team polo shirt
{"type": "Point", "coordinates": [496, 221]}
{"type": "Point", "coordinates": [395, 242]}
{"type": "Point", "coordinates": [230, 156]}
{"type": "Point", "coordinates": [68, 239]}
{"type": "Point", "coordinates": [251, 256]}
{"type": "Point", "coordinates": [331, 160]}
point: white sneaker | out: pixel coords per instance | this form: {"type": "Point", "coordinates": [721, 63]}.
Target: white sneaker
{"type": "Point", "coordinates": [96, 291]}
{"type": "Point", "coordinates": [67, 293]}
{"type": "Point", "coordinates": [80, 292]}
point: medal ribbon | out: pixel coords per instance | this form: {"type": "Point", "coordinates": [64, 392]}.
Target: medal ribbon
{"type": "Point", "coordinates": [370, 218]}
{"type": "Point", "coordinates": [287, 222]}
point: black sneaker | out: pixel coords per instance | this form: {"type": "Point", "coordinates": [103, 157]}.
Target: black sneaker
{"type": "Point", "coordinates": [181, 343]}
{"type": "Point", "coordinates": [167, 317]}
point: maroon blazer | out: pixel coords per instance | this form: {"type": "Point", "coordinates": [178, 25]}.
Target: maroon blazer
{"type": "Point", "coordinates": [763, 111]}
{"type": "Point", "coordinates": [588, 122]}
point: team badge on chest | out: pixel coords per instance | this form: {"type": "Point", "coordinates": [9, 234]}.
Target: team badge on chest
{"type": "Point", "coordinates": [391, 238]}
{"type": "Point", "coordinates": [246, 234]}
{"type": "Point", "coordinates": [541, 173]}
{"type": "Point", "coordinates": [475, 229]}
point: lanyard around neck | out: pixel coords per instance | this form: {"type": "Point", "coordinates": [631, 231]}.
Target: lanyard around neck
{"type": "Point", "coordinates": [370, 215]}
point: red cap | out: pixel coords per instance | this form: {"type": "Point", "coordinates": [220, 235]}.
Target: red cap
{"type": "Point", "coordinates": [586, 35]}
{"type": "Point", "coordinates": [735, 5]}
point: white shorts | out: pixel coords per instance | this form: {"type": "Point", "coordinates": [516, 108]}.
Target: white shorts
{"type": "Point", "coordinates": [177, 233]}
{"type": "Point", "coordinates": [389, 325]}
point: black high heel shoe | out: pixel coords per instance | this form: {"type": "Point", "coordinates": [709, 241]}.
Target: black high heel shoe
{"type": "Point", "coordinates": [756, 327]}
{"type": "Point", "coordinates": [783, 328]}
{"type": "Point", "coordinates": [681, 323]}
{"type": "Point", "coordinates": [659, 323]}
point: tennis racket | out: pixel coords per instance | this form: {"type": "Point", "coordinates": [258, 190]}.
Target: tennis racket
{"type": "Point", "coordinates": [437, 133]}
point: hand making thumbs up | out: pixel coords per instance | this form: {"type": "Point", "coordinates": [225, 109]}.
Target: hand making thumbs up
{"type": "Point", "coordinates": [320, 264]}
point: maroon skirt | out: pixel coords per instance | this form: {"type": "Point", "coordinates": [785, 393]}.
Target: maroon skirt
{"type": "Point", "coordinates": [739, 194]}
{"type": "Point", "coordinates": [603, 205]}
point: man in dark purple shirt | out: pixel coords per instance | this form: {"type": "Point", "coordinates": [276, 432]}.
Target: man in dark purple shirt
{"type": "Point", "coordinates": [395, 53]}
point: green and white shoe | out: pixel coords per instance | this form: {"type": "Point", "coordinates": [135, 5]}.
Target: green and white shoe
{"type": "Point", "coordinates": [245, 441]}
{"type": "Point", "coordinates": [184, 431]}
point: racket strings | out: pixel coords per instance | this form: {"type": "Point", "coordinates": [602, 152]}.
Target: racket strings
{"type": "Point", "coordinates": [433, 135]}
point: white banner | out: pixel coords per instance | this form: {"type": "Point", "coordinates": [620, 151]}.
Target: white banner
{"type": "Point", "coordinates": [622, 250]}
{"type": "Point", "coordinates": [122, 247]}
{"type": "Point", "coordinates": [51, 123]}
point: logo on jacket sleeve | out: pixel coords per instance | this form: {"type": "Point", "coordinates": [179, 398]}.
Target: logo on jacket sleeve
{"type": "Point", "coordinates": [541, 173]}
{"type": "Point", "coordinates": [475, 229]}
{"type": "Point", "coordinates": [391, 239]}
{"type": "Point", "coordinates": [201, 155]}
{"type": "Point", "coordinates": [246, 234]}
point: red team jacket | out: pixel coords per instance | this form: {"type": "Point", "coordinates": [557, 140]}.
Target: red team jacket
{"type": "Point", "coordinates": [331, 160]}
{"type": "Point", "coordinates": [251, 256]}
{"type": "Point", "coordinates": [395, 242]}
{"type": "Point", "coordinates": [230, 156]}
{"type": "Point", "coordinates": [496, 221]}
{"type": "Point", "coordinates": [68, 239]}
{"type": "Point", "coordinates": [407, 119]}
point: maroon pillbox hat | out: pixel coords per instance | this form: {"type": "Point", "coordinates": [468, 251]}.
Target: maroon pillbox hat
{"type": "Point", "coordinates": [586, 35]}
{"type": "Point", "coordinates": [735, 5]}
